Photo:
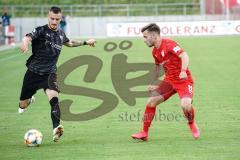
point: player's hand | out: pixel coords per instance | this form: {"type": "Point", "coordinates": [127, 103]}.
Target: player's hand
{"type": "Point", "coordinates": [24, 47]}
{"type": "Point", "coordinates": [91, 42]}
{"type": "Point", "coordinates": [183, 75]}
{"type": "Point", "coordinates": [24, 44]}
{"type": "Point", "coordinates": [152, 87]}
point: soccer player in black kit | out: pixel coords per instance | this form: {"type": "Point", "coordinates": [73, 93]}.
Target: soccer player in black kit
{"type": "Point", "coordinates": [47, 43]}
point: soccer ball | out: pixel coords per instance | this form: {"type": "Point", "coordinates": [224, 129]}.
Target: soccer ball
{"type": "Point", "coordinates": [33, 138]}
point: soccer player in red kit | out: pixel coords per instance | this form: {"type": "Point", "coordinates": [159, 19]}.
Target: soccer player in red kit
{"type": "Point", "coordinates": [168, 54]}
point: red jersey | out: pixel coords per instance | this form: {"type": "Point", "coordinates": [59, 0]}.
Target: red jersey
{"type": "Point", "coordinates": [167, 56]}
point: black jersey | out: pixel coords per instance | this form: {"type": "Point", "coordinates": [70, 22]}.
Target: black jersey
{"type": "Point", "coordinates": [46, 47]}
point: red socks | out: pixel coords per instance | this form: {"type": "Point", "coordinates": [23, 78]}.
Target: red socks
{"type": "Point", "coordinates": [150, 113]}
{"type": "Point", "coordinates": [148, 117]}
{"type": "Point", "coordinates": [189, 115]}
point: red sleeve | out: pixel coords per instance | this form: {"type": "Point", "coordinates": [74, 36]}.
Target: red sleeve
{"type": "Point", "coordinates": [174, 48]}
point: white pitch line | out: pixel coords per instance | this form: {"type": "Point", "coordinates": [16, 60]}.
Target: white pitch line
{"type": "Point", "coordinates": [10, 57]}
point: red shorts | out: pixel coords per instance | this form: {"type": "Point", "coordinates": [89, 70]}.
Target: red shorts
{"type": "Point", "coordinates": [184, 88]}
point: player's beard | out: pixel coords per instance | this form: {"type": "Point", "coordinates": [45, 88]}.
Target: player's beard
{"type": "Point", "coordinates": [53, 27]}
{"type": "Point", "coordinates": [149, 44]}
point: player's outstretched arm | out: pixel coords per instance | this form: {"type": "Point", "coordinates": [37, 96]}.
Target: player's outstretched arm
{"type": "Point", "coordinates": [74, 43]}
{"type": "Point", "coordinates": [156, 73]}
{"type": "Point", "coordinates": [185, 61]}
{"type": "Point", "coordinates": [25, 42]}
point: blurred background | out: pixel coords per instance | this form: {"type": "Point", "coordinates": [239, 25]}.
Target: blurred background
{"type": "Point", "coordinates": [122, 18]}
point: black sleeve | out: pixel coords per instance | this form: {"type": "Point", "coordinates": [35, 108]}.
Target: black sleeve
{"type": "Point", "coordinates": [35, 33]}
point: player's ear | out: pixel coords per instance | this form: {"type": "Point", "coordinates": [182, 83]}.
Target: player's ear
{"type": "Point", "coordinates": [153, 35]}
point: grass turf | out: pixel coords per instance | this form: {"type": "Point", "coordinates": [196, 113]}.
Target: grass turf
{"type": "Point", "coordinates": [214, 62]}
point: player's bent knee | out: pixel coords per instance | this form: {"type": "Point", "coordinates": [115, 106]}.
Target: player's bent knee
{"type": "Point", "coordinates": [153, 101]}
{"type": "Point", "coordinates": [186, 103]}
{"type": "Point", "coordinates": [150, 102]}
{"type": "Point", "coordinates": [51, 94]}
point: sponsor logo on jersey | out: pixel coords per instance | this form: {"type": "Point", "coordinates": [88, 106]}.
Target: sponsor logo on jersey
{"type": "Point", "coordinates": [162, 53]}
{"type": "Point", "coordinates": [54, 45]}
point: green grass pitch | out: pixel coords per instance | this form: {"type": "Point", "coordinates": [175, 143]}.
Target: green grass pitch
{"type": "Point", "coordinates": [214, 62]}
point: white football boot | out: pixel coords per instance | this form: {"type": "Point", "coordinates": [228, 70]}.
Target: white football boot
{"type": "Point", "coordinates": [57, 133]}
{"type": "Point", "coordinates": [30, 101]}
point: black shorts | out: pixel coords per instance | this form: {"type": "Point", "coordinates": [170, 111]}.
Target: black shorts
{"type": "Point", "coordinates": [33, 82]}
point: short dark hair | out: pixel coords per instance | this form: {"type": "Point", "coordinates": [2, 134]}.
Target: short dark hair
{"type": "Point", "coordinates": [152, 27]}
{"type": "Point", "coordinates": [55, 10]}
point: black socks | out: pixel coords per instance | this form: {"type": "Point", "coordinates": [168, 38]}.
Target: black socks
{"type": "Point", "coordinates": [55, 111]}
